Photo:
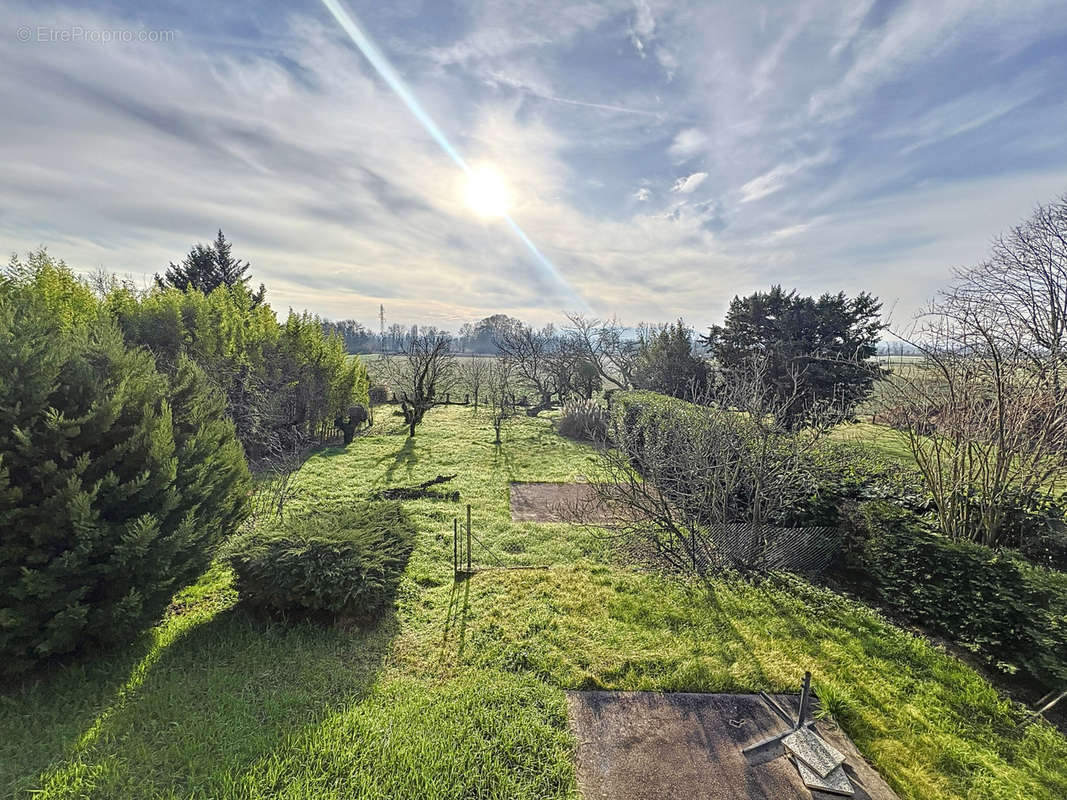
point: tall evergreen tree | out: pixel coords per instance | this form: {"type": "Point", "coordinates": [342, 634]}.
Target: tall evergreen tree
{"type": "Point", "coordinates": [811, 353]}
{"type": "Point", "coordinates": [116, 483]}
{"type": "Point", "coordinates": [666, 363]}
{"type": "Point", "coordinates": [209, 266]}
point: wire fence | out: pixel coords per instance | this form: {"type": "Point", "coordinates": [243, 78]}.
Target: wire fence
{"type": "Point", "coordinates": [768, 548]}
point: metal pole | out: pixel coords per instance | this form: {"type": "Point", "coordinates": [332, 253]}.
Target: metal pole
{"type": "Point", "coordinates": [1040, 711]}
{"type": "Point", "coordinates": [468, 538]}
{"type": "Point", "coordinates": [805, 700]}
{"type": "Point", "coordinates": [455, 546]}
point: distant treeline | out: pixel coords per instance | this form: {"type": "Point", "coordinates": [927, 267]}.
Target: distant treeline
{"type": "Point", "coordinates": [472, 337]}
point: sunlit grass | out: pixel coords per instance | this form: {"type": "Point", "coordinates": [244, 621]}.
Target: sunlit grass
{"type": "Point", "coordinates": [879, 439]}
{"type": "Point", "coordinates": [459, 692]}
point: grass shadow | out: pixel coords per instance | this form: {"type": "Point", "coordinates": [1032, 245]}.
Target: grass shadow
{"type": "Point", "coordinates": [47, 714]}
{"type": "Point", "coordinates": [404, 457]}
{"type": "Point", "coordinates": [215, 701]}
{"type": "Point", "coordinates": [456, 616]}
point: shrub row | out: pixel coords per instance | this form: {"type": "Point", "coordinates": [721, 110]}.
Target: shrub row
{"type": "Point", "coordinates": [346, 562]}
{"type": "Point", "coordinates": [282, 381]}
{"type": "Point", "coordinates": [1010, 612]}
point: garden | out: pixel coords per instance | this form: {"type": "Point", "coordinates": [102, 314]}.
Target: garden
{"type": "Point", "coordinates": [229, 555]}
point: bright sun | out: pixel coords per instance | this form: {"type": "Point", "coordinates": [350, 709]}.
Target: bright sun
{"type": "Point", "coordinates": [486, 192]}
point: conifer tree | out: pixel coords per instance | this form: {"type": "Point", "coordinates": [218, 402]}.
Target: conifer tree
{"type": "Point", "coordinates": [116, 483]}
{"type": "Point", "coordinates": [208, 267]}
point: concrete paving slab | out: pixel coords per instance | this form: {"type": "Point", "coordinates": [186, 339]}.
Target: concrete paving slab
{"type": "Point", "coordinates": [834, 782]}
{"type": "Point", "coordinates": [664, 746]}
{"type": "Point", "coordinates": [820, 756]}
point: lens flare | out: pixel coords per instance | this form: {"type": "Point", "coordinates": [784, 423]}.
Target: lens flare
{"type": "Point", "coordinates": [497, 201]}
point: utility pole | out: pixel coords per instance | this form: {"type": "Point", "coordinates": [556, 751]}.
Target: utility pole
{"type": "Point", "coordinates": [381, 325]}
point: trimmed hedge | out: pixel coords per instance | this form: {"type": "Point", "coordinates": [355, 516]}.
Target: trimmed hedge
{"type": "Point", "coordinates": [1011, 613]}
{"type": "Point", "coordinates": [346, 562]}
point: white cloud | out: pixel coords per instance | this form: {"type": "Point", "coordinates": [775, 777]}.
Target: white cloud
{"type": "Point", "coordinates": [775, 180]}
{"type": "Point", "coordinates": [643, 26]}
{"type": "Point", "coordinates": [642, 194]}
{"type": "Point", "coordinates": [687, 184]}
{"type": "Point", "coordinates": [688, 143]}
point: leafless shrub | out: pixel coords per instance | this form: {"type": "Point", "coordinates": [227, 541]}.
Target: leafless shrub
{"type": "Point", "coordinates": [275, 474]}
{"type": "Point", "coordinates": [680, 476]}
{"type": "Point", "coordinates": [981, 420]}
{"type": "Point", "coordinates": [584, 420]}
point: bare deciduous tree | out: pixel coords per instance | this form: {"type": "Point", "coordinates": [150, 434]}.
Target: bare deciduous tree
{"type": "Point", "coordinates": [985, 417]}
{"type": "Point", "coordinates": [981, 416]}
{"type": "Point", "coordinates": [605, 344]}
{"type": "Point", "coordinates": [1024, 286]}
{"type": "Point", "coordinates": [474, 371]}
{"type": "Point", "coordinates": [532, 355]}
{"type": "Point", "coordinates": [500, 392]}
{"type": "Point", "coordinates": [422, 372]}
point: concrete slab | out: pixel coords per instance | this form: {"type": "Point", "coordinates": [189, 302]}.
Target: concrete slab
{"type": "Point", "coordinates": [556, 502]}
{"type": "Point", "coordinates": [820, 756]}
{"type": "Point", "coordinates": [660, 746]}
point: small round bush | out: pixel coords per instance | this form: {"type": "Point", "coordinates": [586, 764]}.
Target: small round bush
{"type": "Point", "coordinates": [346, 562]}
{"type": "Point", "coordinates": [117, 483]}
{"type": "Point", "coordinates": [584, 420]}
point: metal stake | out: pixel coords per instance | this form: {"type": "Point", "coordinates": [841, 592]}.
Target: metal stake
{"type": "Point", "coordinates": [772, 747]}
{"type": "Point", "coordinates": [805, 701]}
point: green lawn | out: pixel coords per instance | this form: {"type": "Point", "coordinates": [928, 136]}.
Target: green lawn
{"type": "Point", "coordinates": [880, 439]}
{"type": "Point", "coordinates": [459, 692]}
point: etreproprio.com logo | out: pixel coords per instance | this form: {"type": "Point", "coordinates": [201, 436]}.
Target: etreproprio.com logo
{"type": "Point", "coordinates": [82, 34]}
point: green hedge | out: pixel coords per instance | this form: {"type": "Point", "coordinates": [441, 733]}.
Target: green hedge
{"type": "Point", "coordinates": [345, 562]}
{"type": "Point", "coordinates": [834, 477]}
{"type": "Point", "coordinates": [1011, 613]}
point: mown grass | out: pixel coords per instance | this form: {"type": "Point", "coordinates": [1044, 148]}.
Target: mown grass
{"type": "Point", "coordinates": [879, 439]}
{"type": "Point", "coordinates": [459, 691]}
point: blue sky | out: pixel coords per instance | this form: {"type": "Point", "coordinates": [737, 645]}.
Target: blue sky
{"type": "Point", "coordinates": [662, 156]}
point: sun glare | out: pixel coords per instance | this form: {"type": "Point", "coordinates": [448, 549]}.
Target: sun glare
{"type": "Point", "coordinates": [486, 193]}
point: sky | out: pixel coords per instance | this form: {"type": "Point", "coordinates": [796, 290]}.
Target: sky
{"type": "Point", "coordinates": [660, 157]}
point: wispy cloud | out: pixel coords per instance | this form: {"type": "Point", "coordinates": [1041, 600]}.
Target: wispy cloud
{"type": "Point", "coordinates": [664, 156]}
{"type": "Point", "coordinates": [776, 179]}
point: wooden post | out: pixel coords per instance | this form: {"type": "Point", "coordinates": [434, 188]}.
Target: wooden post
{"type": "Point", "coordinates": [468, 539]}
{"type": "Point", "coordinates": [455, 547]}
